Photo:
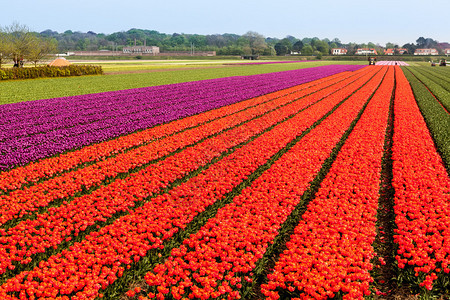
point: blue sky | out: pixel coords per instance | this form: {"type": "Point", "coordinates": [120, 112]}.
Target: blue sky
{"type": "Point", "coordinates": [357, 21]}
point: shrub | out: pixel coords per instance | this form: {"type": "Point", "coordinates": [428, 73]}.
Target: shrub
{"type": "Point", "coordinates": [46, 71]}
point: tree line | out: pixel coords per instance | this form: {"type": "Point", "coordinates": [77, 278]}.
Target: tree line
{"type": "Point", "coordinates": [18, 43]}
{"type": "Point", "coordinates": [224, 44]}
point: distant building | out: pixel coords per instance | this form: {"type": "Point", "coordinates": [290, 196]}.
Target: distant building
{"type": "Point", "coordinates": [391, 51]}
{"type": "Point", "coordinates": [366, 51]}
{"type": "Point", "coordinates": [430, 51]}
{"type": "Point", "coordinates": [447, 51]}
{"type": "Point", "coordinates": [338, 51]}
{"type": "Point", "coordinates": [141, 50]}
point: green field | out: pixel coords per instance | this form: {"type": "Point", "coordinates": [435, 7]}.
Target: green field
{"type": "Point", "coordinates": [128, 75]}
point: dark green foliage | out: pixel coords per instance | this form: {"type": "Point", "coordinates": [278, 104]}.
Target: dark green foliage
{"type": "Point", "coordinates": [436, 117]}
{"type": "Point", "coordinates": [436, 81]}
{"type": "Point", "coordinates": [42, 72]}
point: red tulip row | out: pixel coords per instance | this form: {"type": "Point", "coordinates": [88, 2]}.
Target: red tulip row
{"type": "Point", "coordinates": [422, 192]}
{"type": "Point", "coordinates": [29, 199]}
{"type": "Point", "coordinates": [331, 248]}
{"type": "Point", "coordinates": [60, 223]}
{"type": "Point", "coordinates": [86, 267]}
{"type": "Point", "coordinates": [24, 201]}
{"type": "Point", "coordinates": [217, 260]}
{"type": "Point", "coordinates": [49, 167]}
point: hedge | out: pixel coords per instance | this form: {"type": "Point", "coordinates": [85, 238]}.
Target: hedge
{"type": "Point", "coordinates": [47, 71]}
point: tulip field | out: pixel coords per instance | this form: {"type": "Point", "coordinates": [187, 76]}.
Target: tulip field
{"type": "Point", "coordinates": [316, 183]}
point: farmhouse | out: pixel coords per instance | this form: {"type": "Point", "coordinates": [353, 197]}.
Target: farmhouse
{"type": "Point", "coordinates": [338, 51]}
{"type": "Point", "coordinates": [366, 51]}
{"type": "Point", "coordinates": [391, 51]}
{"type": "Point", "coordinates": [430, 51]}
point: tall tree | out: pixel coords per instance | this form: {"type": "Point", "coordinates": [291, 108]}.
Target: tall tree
{"type": "Point", "coordinates": [390, 45]}
{"type": "Point", "coordinates": [322, 47]}
{"type": "Point", "coordinates": [5, 47]}
{"type": "Point", "coordinates": [256, 42]}
{"type": "Point", "coordinates": [281, 48]}
{"type": "Point", "coordinates": [421, 42]}
{"type": "Point", "coordinates": [337, 42]}
{"type": "Point", "coordinates": [20, 38]}
{"type": "Point", "coordinates": [410, 47]}
{"type": "Point", "coordinates": [40, 48]}
{"type": "Point", "coordinates": [297, 46]}
{"type": "Point", "coordinates": [307, 50]}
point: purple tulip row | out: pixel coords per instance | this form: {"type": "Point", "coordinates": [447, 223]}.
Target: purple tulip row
{"type": "Point", "coordinates": [269, 62]}
{"type": "Point", "coordinates": [37, 129]}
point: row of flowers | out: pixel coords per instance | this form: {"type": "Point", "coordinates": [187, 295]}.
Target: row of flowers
{"type": "Point", "coordinates": [331, 248]}
{"type": "Point", "coordinates": [29, 199]}
{"type": "Point", "coordinates": [436, 115]}
{"type": "Point", "coordinates": [437, 82]}
{"type": "Point", "coordinates": [270, 62]}
{"type": "Point", "coordinates": [422, 193]}
{"type": "Point", "coordinates": [45, 168]}
{"type": "Point", "coordinates": [219, 260]}
{"type": "Point", "coordinates": [56, 125]}
{"type": "Point", "coordinates": [86, 267]}
{"type": "Point", "coordinates": [61, 223]}
{"type": "Point", "coordinates": [392, 63]}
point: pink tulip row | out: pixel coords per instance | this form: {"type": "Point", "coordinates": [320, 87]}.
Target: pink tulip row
{"type": "Point", "coordinates": [392, 63]}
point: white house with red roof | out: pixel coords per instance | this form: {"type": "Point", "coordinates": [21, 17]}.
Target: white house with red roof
{"type": "Point", "coordinates": [366, 51]}
{"type": "Point", "coordinates": [391, 51]}
{"type": "Point", "coordinates": [428, 51]}
{"type": "Point", "coordinates": [338, 51]}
